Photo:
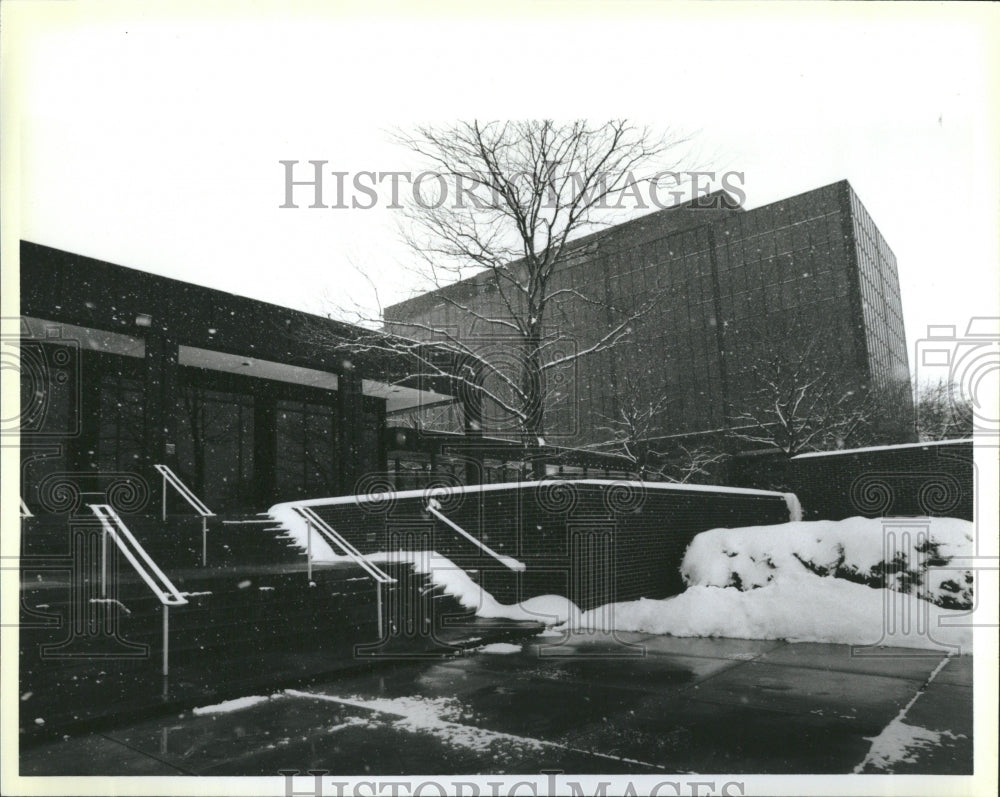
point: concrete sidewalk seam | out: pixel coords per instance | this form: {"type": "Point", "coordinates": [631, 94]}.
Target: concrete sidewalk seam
{"type": "Point", "coordinates": [903, 711]}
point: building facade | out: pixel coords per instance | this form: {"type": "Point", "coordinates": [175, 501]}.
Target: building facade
{"type": "Point", "coordinates": [717, 294]}
{"type": "Point", "coordinates": [248, 402]}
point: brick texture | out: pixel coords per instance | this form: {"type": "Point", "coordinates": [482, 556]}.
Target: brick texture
{"type": "Point", "coordinates": [919, 480]}
{"type": "Point", "coordinates": [596, 543]}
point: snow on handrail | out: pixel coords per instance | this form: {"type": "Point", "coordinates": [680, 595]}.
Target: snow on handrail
{"type": "Point", "coordinates": [113, 525]}
{"type": "Point", "coordinates": [184, 490]}
{"type": "Point", "coordinates": [507, 561]}
{"type": "Point", "coordinates": [326, 530]}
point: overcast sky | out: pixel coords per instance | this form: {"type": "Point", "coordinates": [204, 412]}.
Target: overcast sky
{"type": "Point", "coordinates": [150, 136]}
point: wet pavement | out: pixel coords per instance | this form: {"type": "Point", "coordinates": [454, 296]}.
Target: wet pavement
{"type": "Point", "coordinates": [586, 704]}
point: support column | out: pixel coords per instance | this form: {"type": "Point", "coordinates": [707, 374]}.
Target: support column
{"type": "Point", "coordinates": [350, 427]}
{"type": "Point", "coordinates": [160, 391]}
{"type": "Point", "coordinates": [472, 420]}
{"type": "Point", "coordinates": [265, 445]}
{"type": "Point", "coordinates": [84, 447]}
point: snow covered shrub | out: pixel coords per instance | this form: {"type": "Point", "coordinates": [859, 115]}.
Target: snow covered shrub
{"type": "Point", "coordinates": [911, 557]}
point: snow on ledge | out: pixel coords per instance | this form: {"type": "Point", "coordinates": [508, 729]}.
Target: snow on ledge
{"type": "Point", "coordinates": [812, 454]}
{"type": "Point", "coordinates": [486, 488]}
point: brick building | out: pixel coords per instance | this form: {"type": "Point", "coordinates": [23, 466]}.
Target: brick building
{"type": "Point", "coordinates": [247, 401]}
{"type": "Point", "coordinates": [808, 276]}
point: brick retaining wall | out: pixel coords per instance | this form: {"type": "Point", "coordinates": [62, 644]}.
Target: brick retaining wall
{"type": "Point", "coordinates": [596, 542]}
{"type": "Point", "coordinates": [935, 479]}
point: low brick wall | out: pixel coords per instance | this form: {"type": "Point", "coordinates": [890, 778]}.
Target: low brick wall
{"type": "Point", "coordinates": [594, 541]}
{"type": "Point", "coordinates": [931, 479]}
{"type": "Point", "coordinates": [918, 480]}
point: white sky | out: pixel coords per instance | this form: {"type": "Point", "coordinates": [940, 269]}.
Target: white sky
{"type": "Point", "coordinates": [150, 135]}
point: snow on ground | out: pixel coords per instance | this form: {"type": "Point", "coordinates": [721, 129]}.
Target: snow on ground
{"type": "Point", "coordinates": [816, 581]}
{"type": "Point", "coordinates": [232, 705]}
{"type": "Point", "coordinates": [500, 648]}
{"type": "Point", "coordinates": [900, 743]}
{"type": "Point", "coordinates": [906, 555]}
{"type": "Point", "coordinates": [798, 607]}
{"type": "Point", "coordinates": [440, 716]}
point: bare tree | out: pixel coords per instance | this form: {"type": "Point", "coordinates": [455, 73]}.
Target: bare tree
{"type": "Point", "coordinates": [696, 463]}
{"type": "Point", "coordinates": [632, 432]}
{"type": "Point", "coordinates": [520, 192]}
{"type": "Point", "coordinates": [797, 404]}
{"type": "Point", "coordinates": [943, 413]}
{"type": "Point", "coordinates": [636, 419]}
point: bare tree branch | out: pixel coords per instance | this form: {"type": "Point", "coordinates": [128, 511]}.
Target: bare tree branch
{"type": "Point", "coordinates": [525, 191]}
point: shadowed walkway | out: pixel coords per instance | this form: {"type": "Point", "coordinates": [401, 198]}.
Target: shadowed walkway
{"type": "Point", "coordinates": [580, 704]}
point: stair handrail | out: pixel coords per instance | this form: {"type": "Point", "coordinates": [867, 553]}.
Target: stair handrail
{"type": "Point", "coordinates": [434, 508]}
{"type": "Point", "coordinates": [158, 582]}
{"type": "Point", "coordinates": [199, 505]}
{"type": "Point", "coordinates": [332, 535]}
{"type": "Point", "coordinates": [185, 491]}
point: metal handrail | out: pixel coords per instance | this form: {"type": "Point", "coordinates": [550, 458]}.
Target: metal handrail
{"type": "Point", "coordinates": [184, 490]}
{"type": "Point", "coordinates": [312, 519]}
{"type": "Point", "coordinates": [433, 507]}
{"type": "Point", "coordinates": [161, 586]}
{"type": "Point", "coordinates": [199, 506]}
{"type": "Point", "coordinates": [380, 576]}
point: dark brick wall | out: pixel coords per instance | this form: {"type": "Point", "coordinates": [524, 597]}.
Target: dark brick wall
{"type": "Point", "coordinates": [809, 275]}
{"type": "Point", "coordinates": [918, 480]}
{"type": "Point", "coordinates": [596, 543]}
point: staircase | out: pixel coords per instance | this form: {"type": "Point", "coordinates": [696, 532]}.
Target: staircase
{"type": "Point", "coordinates": [423, 621]}
{"type": "Point", "coordinates": [254, 620]}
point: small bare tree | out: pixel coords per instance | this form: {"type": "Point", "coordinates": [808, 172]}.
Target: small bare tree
{"type": "Point", "coordinates": [632, 432]}
{"type": "Point", "coordinates": [943, 412]}
{"type": "Point", "coordinates": [692, 463]}
{"type": "Point", "coordinates": [636, 420]}
{"type": "Point", "coordinates": [797, 404]}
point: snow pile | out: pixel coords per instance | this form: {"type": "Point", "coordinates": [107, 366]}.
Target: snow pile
{"type": "Point", "coordinates": [798, 607]}
{"type": "Point", "coordinates": [818, 581]}
{"type": "Point", "coordinates": [454, 581]}
{"type": "Point", "coordinates": [912, 557]}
